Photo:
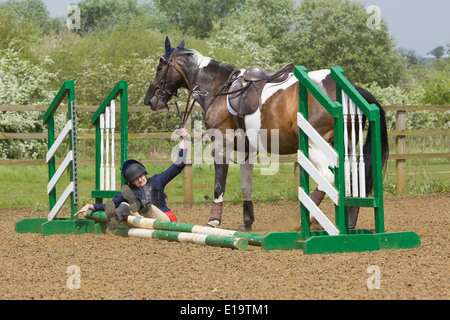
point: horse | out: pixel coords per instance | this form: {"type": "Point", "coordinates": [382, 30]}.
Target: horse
{"type": "Point", "coordinates": [214, 85]}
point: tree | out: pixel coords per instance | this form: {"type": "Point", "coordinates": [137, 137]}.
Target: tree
{"type": "Point", "coordinates": [436, 82]}
{"type": "Point", "coordinates": [105, 14]}
{"type": "Point", "coordinates": [340, 36]}
{"type": "Point", "coordinates": [438, 52]}
{"type": "Point", "coordinates": [15, 31]}
{"type": "Point", "coordinates": [23, 82]}
{"type": "Point", "coordinates": [411, 56]}
{"type": "Point", "coordinates": [263, 32]}
{"type": "Point", "coordinates": [33, 10]}
{"type": "Point", "coordinates": [197, 17]}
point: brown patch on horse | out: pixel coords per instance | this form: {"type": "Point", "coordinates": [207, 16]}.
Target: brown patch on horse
{"type": "Point", "coordinates": [282, 117]}
{"type": "Point", "coordinates": [318, 116]}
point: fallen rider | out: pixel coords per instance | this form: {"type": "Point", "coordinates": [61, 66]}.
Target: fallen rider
{"type": "Point", "coordinates": [141, 195]}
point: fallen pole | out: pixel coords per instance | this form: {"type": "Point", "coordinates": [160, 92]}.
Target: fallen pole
{"type": "Point", "coordinates": [98, 216]}
{"type": "Point", "coordinates": [147, 223]}
{"type": "Point", "coordinates": [183, 237]}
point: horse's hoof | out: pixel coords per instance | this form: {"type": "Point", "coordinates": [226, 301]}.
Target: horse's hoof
{"type": "Point", "coordinates": [213, 223]}
{"type": "Point", "coordinates": [245, 228]}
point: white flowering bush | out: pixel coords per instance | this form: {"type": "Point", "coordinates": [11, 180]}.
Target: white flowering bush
{"type": "Point", "coordinates": [24, 83]}
{"type": "Point", "coordinates": [237, 39]}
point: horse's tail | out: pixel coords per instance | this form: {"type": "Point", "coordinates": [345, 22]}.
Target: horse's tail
{"type": "Point", "coordinates": [367, 149]}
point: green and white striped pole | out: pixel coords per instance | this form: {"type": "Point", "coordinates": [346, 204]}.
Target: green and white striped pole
{"type": "Point", "coordinates": [146, 223]}
{"type": "Point", "coordinates": [184, 237]}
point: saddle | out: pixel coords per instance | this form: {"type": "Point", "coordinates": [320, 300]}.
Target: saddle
{"type": "Point", "coordinates": [245, 97]}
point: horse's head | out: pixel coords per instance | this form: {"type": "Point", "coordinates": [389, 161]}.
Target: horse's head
{"type": "Point", "coordinates": [171, 74]}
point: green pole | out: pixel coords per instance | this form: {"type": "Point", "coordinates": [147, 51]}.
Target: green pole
{"type": "Point", "coordinates": [71, 115]}
{"type": "Point", "coordinates": [124, 125]}
{"type": "Point", "coordinates": [303, 142]}
{"type": "Point", "coordinates": [51, 165]}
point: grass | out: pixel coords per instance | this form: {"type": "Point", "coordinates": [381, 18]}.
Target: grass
{"type": "Point", "coordinates": [26, 185]}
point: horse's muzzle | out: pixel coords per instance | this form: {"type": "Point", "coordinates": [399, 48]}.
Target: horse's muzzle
{"type": "Point", "coordinates": [155, 101]}
{"type": "Point", "coordinates": [149, 95]}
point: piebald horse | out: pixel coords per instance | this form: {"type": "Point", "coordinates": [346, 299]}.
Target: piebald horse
{"type": "Point", "coordinates": [210, 83]}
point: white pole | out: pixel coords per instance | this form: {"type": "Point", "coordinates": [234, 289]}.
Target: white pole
{"type": "Point", "coordinates": [102, 167]}
{"type": "Point", "coordinates": [107, 125]}
{"type": "Point", "coordinates": [354, 164]}
{"type": "Point", "coordinates": [346, 161]}
{"type": "Point", "coordinates": [362, 169]}
{"type": "Point", "coordinates": [113, 129]}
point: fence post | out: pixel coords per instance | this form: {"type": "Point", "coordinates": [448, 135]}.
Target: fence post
{"type": "Point", "coordinates": [401, 149]}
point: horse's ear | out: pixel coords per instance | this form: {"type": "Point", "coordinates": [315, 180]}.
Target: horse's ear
{"type": "Point", "coordinates": [168, 46]}
{"type": "Point", "coordinates": [181, 45]}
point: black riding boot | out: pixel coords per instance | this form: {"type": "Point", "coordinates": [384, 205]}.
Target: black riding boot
{"type": "Point", "coordinates": [122, 212]}
{"type": "Point", "coordinates": [110, 211]}
{"type": "Point", "coordinates": [135, 203]}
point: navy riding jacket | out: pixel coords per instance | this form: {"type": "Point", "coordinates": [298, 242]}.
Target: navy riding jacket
{"type": "Point", "coordinates": [159, 181]}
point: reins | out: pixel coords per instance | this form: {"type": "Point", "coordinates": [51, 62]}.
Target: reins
{"type": "Point", "coordinates": [193, 91]}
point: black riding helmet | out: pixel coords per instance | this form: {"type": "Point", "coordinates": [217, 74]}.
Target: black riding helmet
{"type": "Point", "coordinates": [131, 169]}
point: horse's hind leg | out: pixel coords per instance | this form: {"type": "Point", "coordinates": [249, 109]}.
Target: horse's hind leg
{"type": "Point", "coordinates": [246, 188]}
{"type": "Point", "coordinates": [221, 155]}
{"type": "Point", "coordinates": [322, 163]}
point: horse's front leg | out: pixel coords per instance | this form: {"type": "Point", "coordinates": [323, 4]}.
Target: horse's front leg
{"type": "Point", "coordinates": [246, 188]}
{"type": "Point", "coordinates": [215, 217]}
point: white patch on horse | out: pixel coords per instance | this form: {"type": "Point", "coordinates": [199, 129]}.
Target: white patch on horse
{"type": "Point", "coordinates": [219, 199]}
{"type": "Point", "coordinates": [201, 60]}
{"type": "Point", "coordinates": [253, 121]}
{"type": "Point", "coordinates": [252, 127]}
{"type": "Point", "coordinates": [319, 75]}
{"type": "Point", "coordinates": [322, 163]}
{"type": "Point", "coordinates": [271, 88]}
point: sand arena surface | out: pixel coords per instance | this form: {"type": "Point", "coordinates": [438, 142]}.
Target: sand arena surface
{"type": "Point", "coordinates": [36, 267]}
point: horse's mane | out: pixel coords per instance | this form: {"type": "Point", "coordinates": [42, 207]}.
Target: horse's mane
{"type": "Point", "coordinates": [222, 66]}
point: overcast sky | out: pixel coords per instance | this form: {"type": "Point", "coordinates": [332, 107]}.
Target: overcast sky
{"type": "Point", "coordinates": [421, 25]}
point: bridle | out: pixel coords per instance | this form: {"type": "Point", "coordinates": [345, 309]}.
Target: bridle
{"type": "Point", "coordinates": [193, 90]}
